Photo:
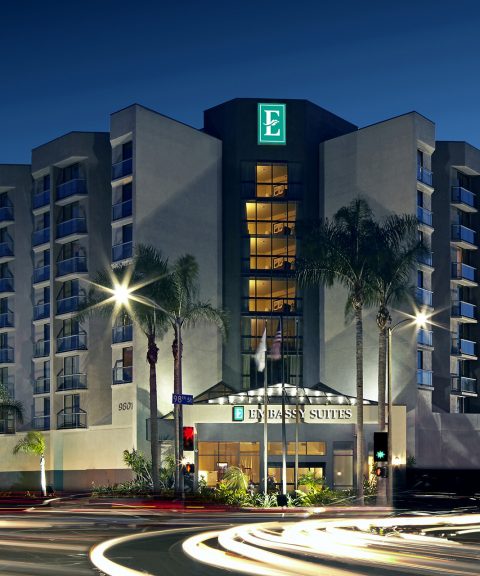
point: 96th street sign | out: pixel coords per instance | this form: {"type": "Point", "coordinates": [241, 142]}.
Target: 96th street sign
{"type": "Point", "coordinates": [182, 399]}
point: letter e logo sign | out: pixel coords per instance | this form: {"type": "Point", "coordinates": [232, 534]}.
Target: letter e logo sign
{"type": "Point", "coordinates": [271, 124]}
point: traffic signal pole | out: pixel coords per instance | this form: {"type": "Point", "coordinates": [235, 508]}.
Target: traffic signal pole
{"type": "Point", "coordinates": [390, 421]}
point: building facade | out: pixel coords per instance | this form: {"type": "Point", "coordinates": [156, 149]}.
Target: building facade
{"type": "Point", "coordinates": [232, 194]}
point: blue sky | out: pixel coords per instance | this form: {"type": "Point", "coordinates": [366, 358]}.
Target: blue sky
{"type": "Point", "coordinates": [67, 65]}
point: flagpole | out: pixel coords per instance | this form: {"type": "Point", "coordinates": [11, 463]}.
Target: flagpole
{"type": "Point", "coordinates": [297, 416]}
{"type": "Point", "coordinates": [265, 422]}
{"type": "Point", "coordinates": [284, 428]}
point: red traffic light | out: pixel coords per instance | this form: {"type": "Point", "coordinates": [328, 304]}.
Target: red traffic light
{"type": "Point", "coordinates": [188, 437]}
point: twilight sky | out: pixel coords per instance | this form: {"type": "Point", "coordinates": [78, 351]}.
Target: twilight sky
{"type": "Point", "coordinates": [67, 65]}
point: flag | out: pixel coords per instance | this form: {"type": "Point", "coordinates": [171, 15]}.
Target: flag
{"type": "Point", "coordinates": [260, 353]}
{"type": "Point", "coordinates": [276, 349]}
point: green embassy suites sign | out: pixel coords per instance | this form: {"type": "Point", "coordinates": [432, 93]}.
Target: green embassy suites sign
{"type": "Point", "coordinates": [272, 124]}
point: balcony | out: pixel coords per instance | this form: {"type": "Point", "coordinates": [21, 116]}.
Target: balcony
{"type": "Point", "coordinates": [122, 210]}
{"type": "Point", "coordinates": [464, 311]}
{"type": "Point", "coordinates": [6, 249]}
{"type": "Point", "coordinates": [41, 274]}
{"type": "Point", "coordinates": [41, 311]}
{"type": "Point", "coordinates": [424, 297]}
{"type": "Point", "coordinates": [6, 285]}
{"type": "Point", "coordinates": [6, 215]}
{"type": "Point", "coordinates": [70, 304]}
{"type": "Point", "coordinates": [463, 385]}
{"type": "Point", "coordinates": [71, 382]}
{"type": "Point", "coordinates": [73, 227]}
{"type": "Point", "coordinates": [463, 199]}
{"type": "Point", "coordinates": [424, 175]}
{"type": "Point", "coordinates": [122, 334]}
{"type": "Point", "coordinates": [71, 190]}
{"type": "Point", "coordinates": [463, 237]}
{"type": "Point", "coordinates": [464, 274]}
{"type": "Point", "coordinates": [426, 259]}
{"type": "Point", "coordinates": [7, 355]}
{"type": "Point", "coordinates": [72, 342]}
{"type": "Point", "coordinates": [41, 236]}
{"type": "Point", "coordinates": [41, 199]}
{"type": "Point", "coordinates": [463, 348]}
{"type": "Point", "coordinates": [7, 319]}
{"type": "Point", "coordinates": [41, 422]}
{"type": "Point", "coordinates": [424, 377]}
{"type": "Point", "coordinates": [425, 338]}
{"type": "Point", "coordinates": [75, 265]}
{"type": "Point", "coordinates": [122, 169]}
{"type": "Point", "coordinates": [41, 385]}
{"type": "Point", "coordinates": [69, 419]}
{"type": "Point", "coordinates": [42, 349]}
{"type": "Point", "coordinates": [122, 374]}
{"type": "Point", "coordinates": [122, 251]}
{"type": "Point", "coordinates": [424, 216]}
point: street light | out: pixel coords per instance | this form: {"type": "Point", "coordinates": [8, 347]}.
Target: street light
{"type": "Point", "coordinates": [419, 320]}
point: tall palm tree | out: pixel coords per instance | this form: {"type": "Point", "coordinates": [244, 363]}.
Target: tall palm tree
{"type": "Point", "coordinates": [34, 443]}
{"type": "Point", "coordinates": [398, 250]}
{"type": "Point", "coordinates": [342, 251]}
{"type": "Point", "coordinates": [143, 281]}
{"type": "Point", "coordinates": [184, 310]}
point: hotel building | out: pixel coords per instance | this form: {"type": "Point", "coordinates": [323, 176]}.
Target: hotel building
{"type": "Point", "coordinates": [232, 195]}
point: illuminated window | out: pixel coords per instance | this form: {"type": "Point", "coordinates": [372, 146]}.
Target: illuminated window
{"type": "Point", "coordinates": [271, 180]}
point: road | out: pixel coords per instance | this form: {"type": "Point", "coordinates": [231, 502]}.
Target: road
{"type": "Point", "coordinates": [58, 542]}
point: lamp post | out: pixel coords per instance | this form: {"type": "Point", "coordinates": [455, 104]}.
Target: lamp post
{"type": "Point", "coordinates": [419, 321]}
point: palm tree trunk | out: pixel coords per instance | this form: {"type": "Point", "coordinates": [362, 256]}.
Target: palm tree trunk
{"type": "Point", "coordinates": [177, 349]}
{"type": "Point", "coordinates": [359, 425]}
{"type": "Point", "coordinates": [382, 372]}
{"type": "Point", "coordinates": [152, 357]}
{"type": "Point", "coordinates": [43, 479]}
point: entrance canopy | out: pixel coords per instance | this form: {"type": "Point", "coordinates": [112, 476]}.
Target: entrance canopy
{"type": "Point", "coordinates": [221, 393]}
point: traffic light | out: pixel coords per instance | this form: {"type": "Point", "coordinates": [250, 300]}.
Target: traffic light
{"type": "Point", "coordinates": [381, 471]}
{"type": "Point", "coordinates": [188, 437]}
{"type": "Point", "coordinates": [188, 468]}
{"type": "Point", "coordinates": [380, 446]}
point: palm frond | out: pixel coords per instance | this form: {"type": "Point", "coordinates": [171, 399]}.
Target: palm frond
{"type": "Point", "coordinates": [32, 443]}
{"type": "Point", "coordinates": [205, 312]}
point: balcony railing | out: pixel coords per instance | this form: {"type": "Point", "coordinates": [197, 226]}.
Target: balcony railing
{"type": "Point", "coordinates": [424, 377]}
{"type": "Point", "coordinates": [41, 199]}
{"type": "Point", "coordinates": [69, 419]}
{"type": "Point", "coordinates": [424, 296]}
{"type": "Point", "coordinates": [41, 236]}
{"type": "Point", "coordinates": [464, 384]}
{"type": "Point", "coordinates": [464, 310]}
{"type": "Point", "coordinates": [41, 311]}
{"type": "Point", "coordinates": [71, 188]}
{"type": "Point", "coordinates": [6, 214]}
{"type": "Point", "coordinates": [73, 226]}
{"type": "Point", "coordinates": [122, 169]}
{"type": "Point", "coordinates": [7, 319]}
{"type": "Point", "coordinates": [73, 265]}
{"type": "Point", "coordinates": [122, 333]}
{"type": "Point", "coordinates": [7, 355]}
{"type": "Point", "coordinates": [276, 264]}
{"type": "Point", "coordinates": [41, 274]}
{"type": "Point", "coordinates": [463, 234]}
{"type": "Point", "coordinates": [424, 216]}
{"type": "Point", "coordinates": [280, 306]}
{"type": "Point", "coordinates": [122, 374]}
{"type": "Point", "coordinates": [6, 248]}
{"type": "Point", "coordinates": [41, 385]}
{"type": "Point", "coordinates": [72, 342]}
{"type": "Point", "coordinates": [462, 347]}
{"type": "Point", "coordinates": [6, 284]}
{"type": "Point", "coordinates": [425, 337]}
{"type": "Point", "coordinates": [424, 175]}
{"type": "Point", "coordinates": [426, 259]}
{"type": "Point", "coordinates": [41, 422]}
{"type": "Point", "coordinates": [42, 349]}
{"type": "Point", "coordinates": [122, 251]}
{"type": "Point", "coordinates": [71, 382]}
{"type": "Point", "coordinates": [461, 195]}
{"type": "Point", "coordinates": [462, 271]}
{"type": "Point", "coordinates": [70, 304]}
{"type": "Point", "coordinates": [122, 210]}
